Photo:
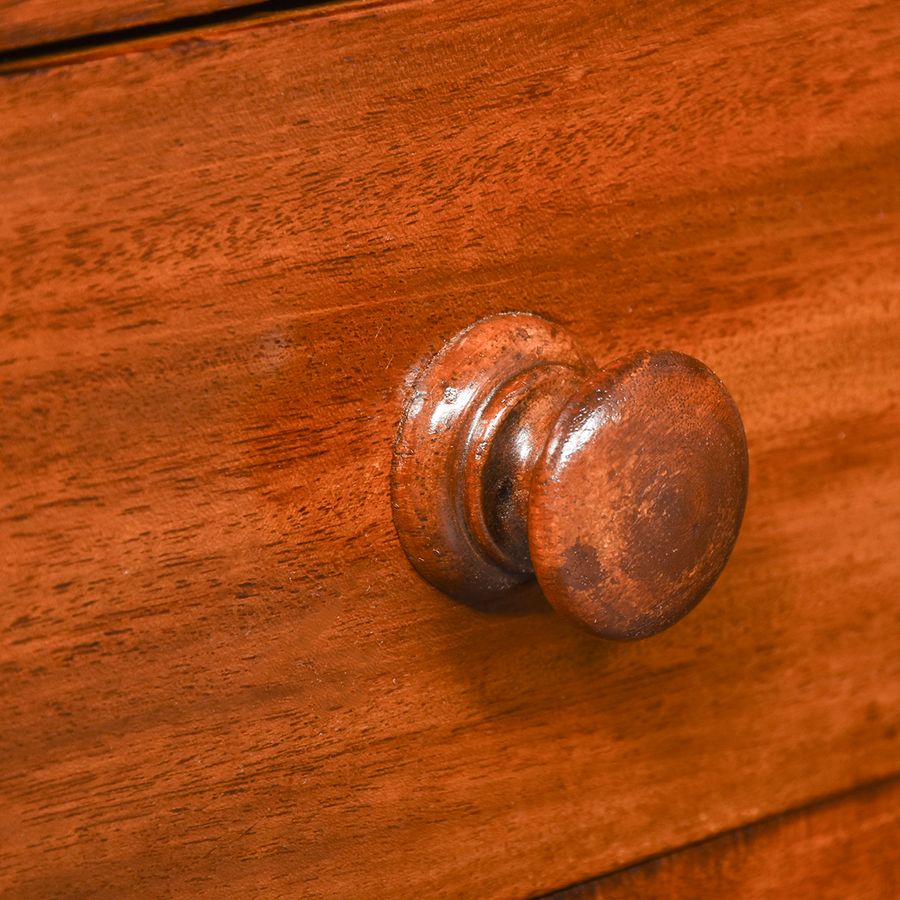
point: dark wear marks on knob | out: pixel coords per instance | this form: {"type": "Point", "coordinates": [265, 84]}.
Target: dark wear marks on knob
{"type": "Point", "coordinates": [622, 488]}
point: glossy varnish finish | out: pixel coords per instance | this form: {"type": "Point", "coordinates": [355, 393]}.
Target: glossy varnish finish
{"type": "Point", "coordinates": [223, 259]}
{"type": "Point", "coordinates": [847, 848]}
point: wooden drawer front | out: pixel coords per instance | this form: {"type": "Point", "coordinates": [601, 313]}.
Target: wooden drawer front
{"type": "Point", "coordinates": [224, 253]}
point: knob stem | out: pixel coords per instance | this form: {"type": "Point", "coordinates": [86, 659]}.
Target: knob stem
{"type": "Point", "coordinates": [506, 441]}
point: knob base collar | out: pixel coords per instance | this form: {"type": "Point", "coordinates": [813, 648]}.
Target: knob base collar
{"type": "Point", "coordinates": [444, 501]}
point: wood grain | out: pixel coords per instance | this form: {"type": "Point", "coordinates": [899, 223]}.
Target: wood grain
{"type": "Point", "coordinates": [845, 849]}
{"type": "Point", "coordinates": [222, 258]}
{"type": "Point", "coordinates": [31, 23]}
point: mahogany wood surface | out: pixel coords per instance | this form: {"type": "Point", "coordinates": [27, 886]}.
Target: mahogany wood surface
{"type": "Point", "coordinates": [845, 849]}
{"type": "Point", "coordinates": [31, 23]}
{"type": "Point", "coordinates": [222, 258]}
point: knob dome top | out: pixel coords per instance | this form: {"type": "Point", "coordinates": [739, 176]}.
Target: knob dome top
{"type": "Point", "coordinates": [637, 499]}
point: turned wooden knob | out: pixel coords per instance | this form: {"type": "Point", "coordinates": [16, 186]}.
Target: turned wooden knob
{"type": "Point", "coordinates": [621, 488]}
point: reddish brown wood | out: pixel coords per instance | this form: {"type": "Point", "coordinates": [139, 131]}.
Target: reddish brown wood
{"type": "Point", "coordinates": [846, 848]}
{"type": "Point", "coordinates": [220, 258]}
{"type": "Point", "coordinates": [622, 490]}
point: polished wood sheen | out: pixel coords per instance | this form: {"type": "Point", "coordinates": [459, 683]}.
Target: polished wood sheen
{"type": "Point", "coordinates": [221, 258]}
{"type": "Point", "coordinates": [621, 489]}
{"type": "Point", "coordinates": [847, 848]}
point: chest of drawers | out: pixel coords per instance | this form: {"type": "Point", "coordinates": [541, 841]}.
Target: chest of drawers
{"type": "Point", "coordinates": [229, 244]}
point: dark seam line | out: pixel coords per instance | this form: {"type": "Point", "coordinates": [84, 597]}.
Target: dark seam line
{"type": "Point", "coordinates": [154, 29]}
{"type": "Point", "coordinates": [813, 805]}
